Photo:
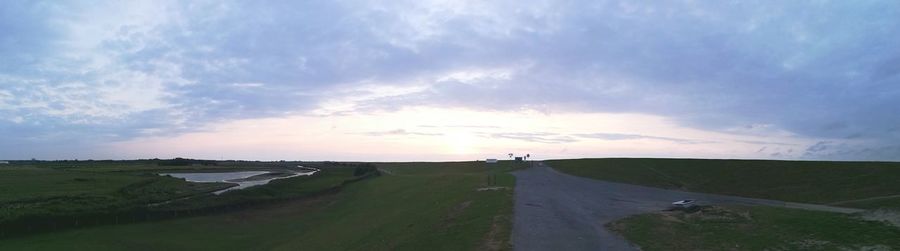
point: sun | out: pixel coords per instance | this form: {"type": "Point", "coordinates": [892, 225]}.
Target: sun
{"type": "Point", "coordinates": [460, 143]}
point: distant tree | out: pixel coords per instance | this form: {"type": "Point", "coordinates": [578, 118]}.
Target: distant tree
{"type": "Point", "coordinates": [527, 156]}
{"type": "Point", "coordinates": [511, 155]}
{"type": "Point", "coordinates": [175, 162]}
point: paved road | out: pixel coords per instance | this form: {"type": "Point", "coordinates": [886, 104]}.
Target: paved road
{"type": "Point", "coordinates": [556, 211]}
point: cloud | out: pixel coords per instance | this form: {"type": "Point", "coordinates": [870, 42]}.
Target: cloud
{"type": "Point", "coordinates": [819, 147]}
{"type": "Point", "coordinates": [103, 72]}
{"type": "Point", "coordinates": [401, 132]}
{"type": "Point", "coordinates": [623, 136]}
{"type": "Point", "coordinates": [758, 142]}
{"type": "Point", "coordinates": [461, 126]}
{"type": "Point", "coordinates": [851, 151]}
{"type": "Point", "coordinates": [538, 137]}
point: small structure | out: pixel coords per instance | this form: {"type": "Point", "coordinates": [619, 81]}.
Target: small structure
{"type": "Point", "coordinates": [520, 159]}
{"type": "Point", "coordinates": [490, 161]}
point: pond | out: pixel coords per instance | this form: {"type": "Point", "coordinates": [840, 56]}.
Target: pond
{"type": "Point", "coordinates": [243, 179]}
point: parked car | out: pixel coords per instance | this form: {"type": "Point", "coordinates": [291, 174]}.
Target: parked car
{"type": "Point", "coordinates": [683, 204]}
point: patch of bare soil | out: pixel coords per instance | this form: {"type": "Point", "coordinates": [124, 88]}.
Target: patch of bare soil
{"type": "Point", "coordinates": [670, 217]}
{"type": "Point", "coordinates": [455, 211]}
{"type": "Point", "coordinates": [888, 216]}
{"type": "Point", "coordinates": [265, 176]}
{"type": "Point", "coordinates": [811, 244]}
{"type": "Point", "coordinates": [493, 239]}
{"type": "Point", "coordinates": [615, 226]}
{"type": "Point", "coordinates": [491, 189]}
{"type": "Point", "coordinates": [870, 248]}
{"type": "Point", "coordinates": [718, 214]}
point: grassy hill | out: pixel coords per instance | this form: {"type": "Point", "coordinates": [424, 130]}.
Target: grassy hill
{"type": "Point", "coordinates": [821, 182]}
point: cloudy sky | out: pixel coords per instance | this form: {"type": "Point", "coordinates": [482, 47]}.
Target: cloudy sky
{"type": "Point", "coordinates": [449, 80]}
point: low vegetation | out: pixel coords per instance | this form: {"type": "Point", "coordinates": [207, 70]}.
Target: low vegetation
{"type": "Point", "coordinates": [28, 192]}
{"type": "Point", "coordinates": [755, 228]}
{"type": "Point", "coordinates": [413, 206]}
{"type": "Point", "coordinates": [160, 165]}
{"type": "Point", "coordinates": [45, 196]}
{"type": "Point", "coordinates": [851, 184]}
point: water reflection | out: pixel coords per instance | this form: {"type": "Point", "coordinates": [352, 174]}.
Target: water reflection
{"type": "Point", "coordinates": [243, 179]}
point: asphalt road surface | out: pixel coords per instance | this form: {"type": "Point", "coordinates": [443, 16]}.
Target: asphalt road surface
{"type": "Point", "coordinates": [557, 211]}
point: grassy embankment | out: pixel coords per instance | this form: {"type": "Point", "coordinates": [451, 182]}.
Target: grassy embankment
{"type": "Point", "coordinates": [32, 191]}
{"type": "Point", "coordinates": [818, 182]}
{"type": "Point", "coordinates": [420, 206]}
{"type": "Point", "coordinates": [756, 228]}
{"type": "Point", "coordinates": [47, 196]}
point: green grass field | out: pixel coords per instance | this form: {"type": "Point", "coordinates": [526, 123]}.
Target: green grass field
{"type": "Point", "coordinates": [756, 228]}
{"type": "Point", "coordinates": [41, 196]}
{"type": "Point", "coordinates": [32, 191]}
{"type": "Point", "coordinates": [888, 203]}
{"type": "Point", "coordinates": [421, 206]}
{"type": "Point", "coordinates": [798, 181]}
{"type": "Point", "coordinates": [157, 165]}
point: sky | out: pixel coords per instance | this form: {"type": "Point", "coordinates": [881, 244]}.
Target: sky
{"type": "Point", "coordinates": [449, 80]}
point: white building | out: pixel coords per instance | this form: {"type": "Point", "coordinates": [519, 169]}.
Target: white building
{"type": "Point", "coordinates": [490, 161]}
{"type": "Point", "coordinates": [4, 162]}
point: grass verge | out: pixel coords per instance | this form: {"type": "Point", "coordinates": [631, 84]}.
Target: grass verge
{"type": "Point", "coordinates": [819, 182]}
{"type": "Point", "coordinates": [756, 228]}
